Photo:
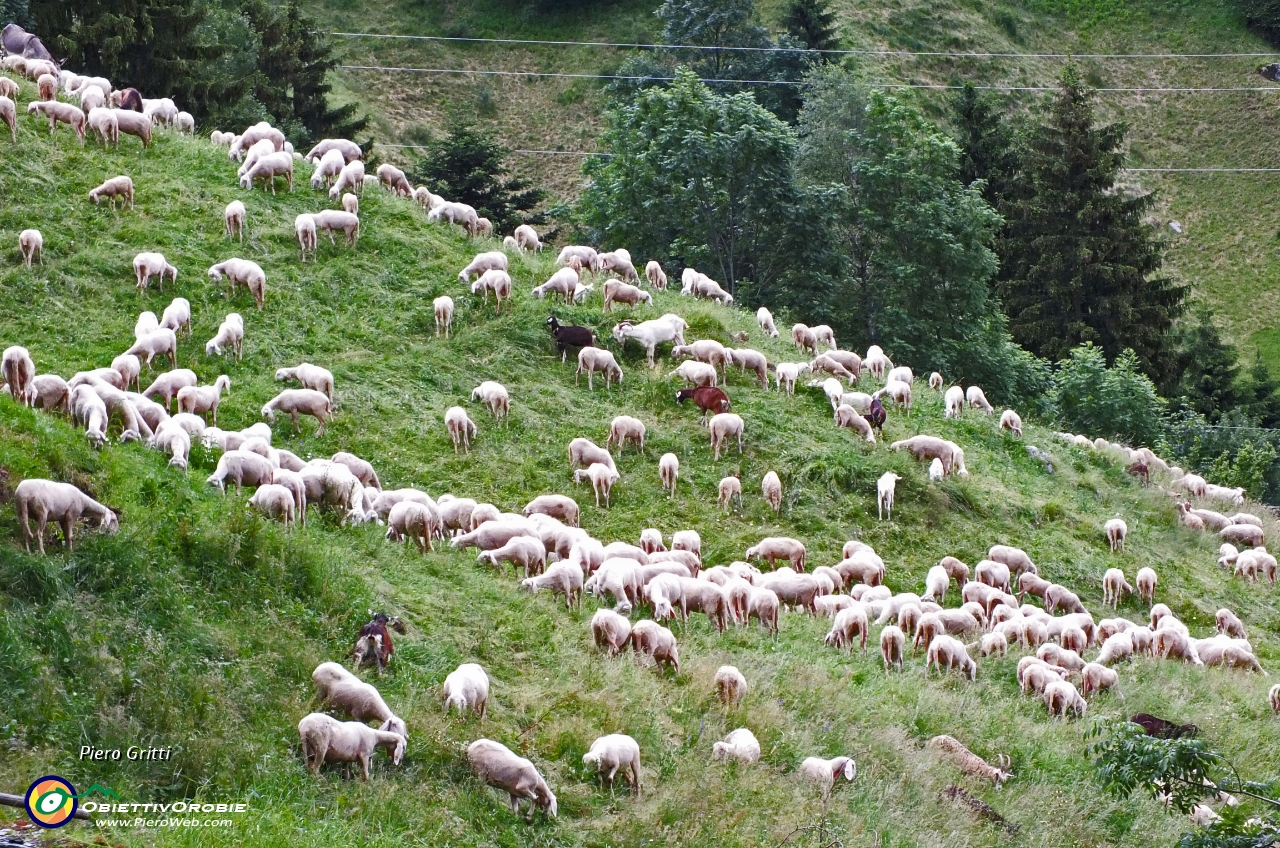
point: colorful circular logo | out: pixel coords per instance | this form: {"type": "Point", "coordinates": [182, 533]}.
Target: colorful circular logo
{"type": "Point", "coordinates": [51, 801]}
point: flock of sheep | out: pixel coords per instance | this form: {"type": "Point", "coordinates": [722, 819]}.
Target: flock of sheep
{"type": "Point", "coordinates": [545, 542]}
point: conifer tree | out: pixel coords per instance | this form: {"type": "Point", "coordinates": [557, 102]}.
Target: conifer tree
{"type": "Point", "coordinates": [811, 23]}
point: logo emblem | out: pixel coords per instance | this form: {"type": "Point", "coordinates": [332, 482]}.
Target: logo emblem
{"type": "Point", "coordinates": [51, 801]}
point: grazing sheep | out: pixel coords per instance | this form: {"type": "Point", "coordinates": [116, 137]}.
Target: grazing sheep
{"type": "Point", "coordinates": [349, 149]}
{"type": "Point", "coordinates": [824, 773]}
{"type": "Point", "coordinates": [557, 506]}
{"type": "Point", "coordinates": [525, 553]}
{"type": "Point", "coordinates": [612, 753]}
{"type": "Point", "coordinates": [304, 226]}
{"type": "Point", "coordinates": [848, 623]}
{"type": "Point", "coordinates": [947, 653]}
{"type": "Point", "coordinates": [309, 377]}
{"type": "Point", "coordinates": [394, 179]}
{"type": "Point", "coordinates": [267, 168]}
{"type": "Point", "coordinates": [610, 631]}
{"type": "Point", "coordinates": [884, 494]}
{"type": "Point", "coordinates": [526, 238]}
{"type": "Point", "coordinates": [461, 427]}
{"type": "Point", "coordinates": [969, 762]}
{"type": "Point", "coordinates": [593, 359]}
{"type": "Point", "coordinates": [176, 315]}
{"type": "Point", "coordinates": [18, 370]}
{"type": "Point", "coordinates": [342, 690]}
{"type": "Point", "coordinates": [155, 343]}
{"type": "Point", "coordinates": [329, 220]}
{"type": "Point", "coordinates": [113, 188]}
{"type": "Point", "coordinates": [740, 746]}
{"type": "Point", "coordinates": [584, 452]}
{"type": "Point", "coordinates": [493, 260]}
{"type": "Point", "coordinates": [892, 645]}
{"type": "Point", "coordinates": [201, 400]}
{"type": "Point", "coordinates": [9, 113]}
{"type": "Point", "coordinates": [495, 397]}
{"type": "Point", "coordinates": [1146, 581]}
{"type": "Point", "coordinates": [233, 218]}
{"type": "Point", "coordinates": [616, 291]}
{"type": "Point", "coordinates": [350, 204]}
{"type": "Point", "coordinates": [31, 243]}
{"type": "Point", "coordinates": [654, 640]}
{"type": "Point", "coordinates": [328, 166]}
{"type": "Point", "coordinates": [978, 400]}
{"type": "Point", "coordinates": [467, 688]}
{"type": "Point", "coordinates": [773, 548]}
{"type": "Point", "coordinates": [1275, 698]}
{"type": "Point", "coordinates": [725, 425]}
{"type": "Point", "coordinates": [731, 686]}
{"type": "Point", "coordinates": [1095, 677]}
{"type": "Point", "coordinates": [771, 487]}
{"type": "Point", "coordinates": [443, 306]}
{"type": "Point", "coordinates": [651, 540]}
{"type": "Point", "coordinates": [50, 393]}
{"type": "Point", "coordinates": [562, 578]}
{"type": "Point", "coordinates": [411, 519]}
{"type": "Point", "coordinates": [730, 488]}
{"type": "Point", "coordinates": [651, 333]}
{"type": "Point", "coordinates": [325, 739]}
{"type": "Point", "coordinates": [61, 502]}
{"type": "Point", "coordinates": [499, 767]}
{"type": "Point", "coordinates": [230, 334]}
{"type": "Point", "coordinates": [1010, 420]}
{"type": "Point", "coordinates": [1061, 697]}
{"type": "Point", "coordinates": [602, 479]}
{"type": "Point", "coordinates": [58, 112]}
{"type": "Point", "coordinates": [271, 500]}
{"type": "Point", "coordinates": [242, 272]}
{"type": "Point", "coordinates": [300, 401]}
{"type": "Point", "coordinates": [931, 447]}
{"type": "Point", "coordinates": [1114, 586]}
{"type": "Point", "coordinates": [168, 384]}
{"type": "Point", "coordinates": [1116, 530]}
{"type": "Point", "coordinates": [133, 123]}
{"type": "Point", "coordinates": [350, 177]}
{"type": "Point", "coordinates": [1243, 534]}
{"type": "Point", "coordinates": [669, 472]}
{"type": "Point", "coordinates": [847, 416]}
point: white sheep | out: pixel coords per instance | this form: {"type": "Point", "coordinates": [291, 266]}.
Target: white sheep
{"type": "Point", "coordinates": [771, 488]}
{"type": "Point", "coordinates": [349, 149]}
{"type": "Point", "coordinates": [443, 306]}
{"type": "Point", "coordinates": [176, 315]}
{"type": "Point", "coordinates": [199, 400]}
{"type": "Point", "coordinates": [185, 123]}
{"type": "Point", "coordinates": [1114, 586]}
{"type": "Point", "coordinates": [740, 746]}
{"type": "Point", "coordinates": [1095, 677]}
{"type": "Point", "coordinates": [593, 359]}
{"type": "Point", "coordinates": [461, 427]}
{"type": "Point", "coordinates": [526, 238]}
{"type": "Point", "coordinates": [58, 112]}
{"type": "Point", "coordinates": [1146, 581]}
{"type": "Point", "coordinates": [233, 218]}
{"type": "Point", "coordinates": [275, 501]}
{"type": "Point", "coordinates": [328, 166]}
{"type": "Point", "coordinates": [467, 688]}
{"type": "Point", "coordinates": [230, 334]}
{"type": "Point", "coordinates": [309, 377]}
{"type": "Point", "coordinates": [297, 402]}
{"type": "Point", "coordinates": [1010, 420]}
{"type": "Point", "coordinates": [654, 640]}
{"type": "Point", "coordinates": [655, 275]}
{"type": "Point", "coordinates": [31, 243]}
{"type": "Point", "coordinates": [936, 472]}
{"type": "Point", "coordinates": [584, 452]}
{"type": "Point", "coordinates": [651, 333]}
{"type": "Point", "coordinates": [9, 114]}
{"type": "Point", "coordinates": [268, 168]}
{"type": "Point", "coordinates": [61, 502]}
{"type": "Point", "coordinates": [324, 738]}
{"type": "Point", "coordinates": [156, 343]}
{"type": "Point", "coordinates": [969, 762]}
{"type": "Point", "coordinates": [350, 177]}
{"type": "Point", "coordinates": [786, 374]}
{"type": "Point", "coordinates": [496, 397]}
{"type": "Point", "coordinates": [330, 220]}
{"type": "Point", "coordinates": [411, 519]}
{"type": "Point", "coordinates": [824, 773]}
{"type": "Point", "coordinates": [18, 370]}
{"type": "Point", "coordinates": [610, 630]}
{"type": "Point", "coordinates": [729, 488]}
{"type": "Point", "coordinates": [884, 494]}
{"type": "Point", "coordinates": [1116, 531]}
{"type": "Point", "coordinates": [242, 272]}
{"type": "Point", "coordinates": [669, 472]}
{"type": "Point", "coordinates": [731, 686]}
{"type": "Point", "coordinates": [167, 384]}
{"type": "Point", "coordinates": [304, 227]}
{"type": "Point", "coordinates": [613, 753]}
{"type": "Point", "coordinates": [339, 688]}
{"type": "Point", "coordinates": [947, 653]}
{"type": "Point", "coordinates": [350, 203]}
{"type": "Point", "coordinates": [602, 479]}
{"type": "Point", "coordinates": [525, 553]}
{"type": "Point", "coordinates": [725, 426]}
{"type": "Point", "coordinates": [1061, 697]}
{"type": "Point", "coordinates": [562, 578]}
{"type": "Point", "coordinates": [765, 319]}
{"type": "Point", "coordinates": [241, 467]}
{"type": "Point", "coordinates": [499, 767]}
{"type": "Point", "coordinates": [172, 439]}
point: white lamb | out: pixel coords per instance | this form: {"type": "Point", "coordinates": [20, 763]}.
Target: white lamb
{"type": "Point", "coordinates": [443, 307]}
{"type": "Point", "coordinates": [824, 773]}
{"type": "Point", "coordinates": [460, 426]}
{"type": "Point", "coordinates": [233, 218]}
{"type": "Point", "coordinates": [242, 272]}
{"type": "Point", "coordinates": [884, 494]}
{"type": "Point", "coordinates": [350, 177]}
{"type": "Point", "coordinates": [325, 739]}
{"type": "Point", "coordinates": [201, 400]}
{"type": "Point", "coordinates": [61, 502]}
{"type": "Point", "coordinates": [177, 315]}
{"type": "Point", "coordinates": [156, 343]}
{"type": "Point", "coordinates": [602, 478]}
{"type": "Point", "coordinates": [1116, 530]}
{"type": "Point", "coordinates": [467, 688]}
{"type": "Point", "coordinates": [669, 472]}
{"type": "Point", "coordinates": [613, 753]}
{"type": "Point", "coordinates": [978, 400]}
{"type": "Point", "coordinates": [740, 746]}
{"type": "Point", "coordinates": [725, 426]}
{"type": "Point", "coordinates": [297, 402]}
{"type": "Point", "coordinates": [230, 334]}
{"type": "Point", "coordinates": [31, 243]}
{"type": "Point", "coordinates": [309, 377]}
{"type": "Point", "coordinates": [304, 227]}
{"type": "Point", "coordinates": [771, 487]}
{"type": "Point", "coordinates": [327, 169]}
{"type": "Point", "coordinates": [1010, 420]}
{"type": "Point", "coordinates": [593, 359]}
{"type": "Point", "coordinates": [330, 220]}
{"type": "Point", "coordinates": [496, 397]}
{"type": "Point", "coordinates": [651, 333]}
{"type": "Point", "coordinates": [268, 168]}
{"type": "Point", "coordinates": [1146, 582]}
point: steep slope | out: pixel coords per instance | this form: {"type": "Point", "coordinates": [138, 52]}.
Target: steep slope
{"type": "Point", "coordinates": [1225, 251]}
{"type": "Point", "coordinates": [197, 626]}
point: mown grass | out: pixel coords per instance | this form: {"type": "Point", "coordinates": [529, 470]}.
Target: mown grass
{"type": "Point", "coordinates": [1226, 253]}
{"type": "Point", "coordinates": [197, 625]}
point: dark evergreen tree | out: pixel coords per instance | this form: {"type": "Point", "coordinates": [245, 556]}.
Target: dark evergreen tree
{"type": "Point", "coordinates": [15, 12]}
{"type": "Point", "coordinates": [1205, 372]}
{"type": "Point", "coordinates": [812, 24]}
{"type": "Point", "coordinates": [1078, 263]}
{"type": "Point", "coordinates": [987, 142]}
{"type": "Point", "coordinates": [1261, 395]}
{"type": "Point", "coordinates": [467, 165]}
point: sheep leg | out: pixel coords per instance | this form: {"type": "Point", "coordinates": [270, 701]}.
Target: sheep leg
{"type": "Point", "coordinates": [68, 524]}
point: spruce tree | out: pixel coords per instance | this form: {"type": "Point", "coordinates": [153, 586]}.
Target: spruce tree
{"type": "Point", "coordinates": [812, 24]}
{"type": "Point", "coordinates": [987, 142]}
{"type": "Point", "coordinates": [1206, 370]}
{"type": "Point", "coordinates": [1078, 263]}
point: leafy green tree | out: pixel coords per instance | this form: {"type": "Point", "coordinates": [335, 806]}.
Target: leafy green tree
{"type": "Point", "coordinates": [697, 178]}
{"type": "Point", "coordinates": [1119, 402]}
{"type": "Point", "coordinates": [812, 24]}
{"type": "Point", "coordinates": [467, 165]}
{"type": "Point", "coordinates": [987, 141]}
{"type": "Point", "coordinates": [915, 240]}
{"type": "Point", "coordinates": [1078, 263]}
{"type": "Point", "coordinates": [16, 11]}
{"type": "Point", "coordinates": [1127, 760]}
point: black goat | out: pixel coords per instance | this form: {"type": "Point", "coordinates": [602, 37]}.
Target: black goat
{"type": "Point", "coordinates": [1164, 729]}
{"type": "Point", "coordinates": [876, 415]}
{"type": "Point", "coordinates": [570, 336]}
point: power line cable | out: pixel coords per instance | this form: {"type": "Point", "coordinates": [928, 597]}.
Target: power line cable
{"type": "Point", "coordinates": [895, 85]}
{"type": "Point", "coordinates": [904, 53]}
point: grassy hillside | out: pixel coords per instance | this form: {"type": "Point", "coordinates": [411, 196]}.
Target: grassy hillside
{"type": "Point", "coordinates": [197, 626]}
{"type": "Point", "coordinates": [1230, 220]}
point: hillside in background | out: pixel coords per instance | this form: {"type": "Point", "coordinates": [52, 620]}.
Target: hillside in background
{"type": "Point", "coordinates": [1230, 221]}
{"type": "Point", "coordinates": [198, 624]}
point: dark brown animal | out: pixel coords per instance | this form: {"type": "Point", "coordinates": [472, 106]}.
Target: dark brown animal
{"type": "Point", "coordinates": [876, 416]}
{"type": "Point", "coordinates": [709, 399]}
{"type": "Point", "coordinates": [131, 99]}
{"type": "Point", "coordinates": [1164, 729]}
{"type": "Point", "coordinates": [1140, 469]}
{"type": "Point", "coordinates": [568, 336]}
{"type": "Point", "coordinates": [373, 645]}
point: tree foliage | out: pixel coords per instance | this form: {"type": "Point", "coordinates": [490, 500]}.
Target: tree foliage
{"type": "Point", "coordinates": [467, 165]}
{"type": "Point", "coordinates": [698, 178]}
{"type": "Point", "coordinates": [230, 61]}
{"type": "Point", "coordinates": [988, 143]}
{"type": "Point", "coordinates": [1078, 263]}
{"type": "Point", "coordinates": [812, 24]}
{"type": "Point", "coordinates": [1119, 402]}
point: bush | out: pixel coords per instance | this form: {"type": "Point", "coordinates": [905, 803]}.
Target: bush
{"type": "Point", "coordinates": [1118, 402]}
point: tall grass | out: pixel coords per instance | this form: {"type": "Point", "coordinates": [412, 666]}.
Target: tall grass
{"type": "Point", "coordinates": [198, 624]}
